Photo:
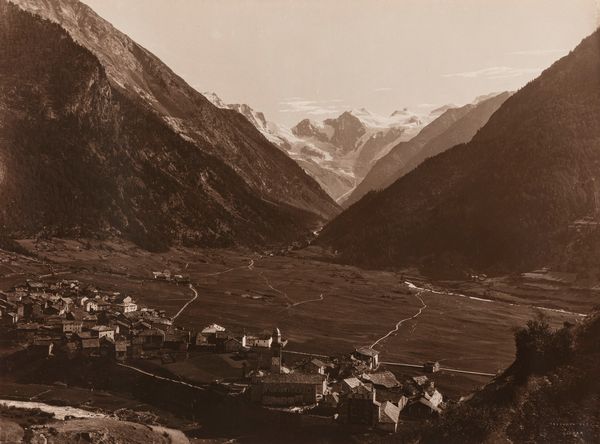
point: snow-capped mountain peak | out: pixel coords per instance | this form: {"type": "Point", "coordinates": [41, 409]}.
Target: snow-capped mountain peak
{"type": "Point", "coordinates": [215, 99]}
{"type": "Point", "coordinates": [400, 112]}
{"type": "Point", "coordinates": [339, 151]}
{"type": "Point", "coordinates": [269, 129]}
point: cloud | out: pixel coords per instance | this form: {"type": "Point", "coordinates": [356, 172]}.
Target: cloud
{"type": "Point", "coordinates": [537, 52]}
{"type": "Point", "coordinates": [311, 107]}
{"type": "Point", "coordinates": [322, 111]}
{"type": "Point", "coordinates": [495, 72]}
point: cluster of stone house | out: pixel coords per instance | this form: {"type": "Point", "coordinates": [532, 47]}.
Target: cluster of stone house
{"type": "Point", "coordinates": [81, 320]}
{"type": "Point", "coordinates": [69, 317]}
{"type": "Point", "coordinates": [356, 389]}
{"type": "Point", "coordinates": [167, 276]}
{"type": "Point", "coordinates": [379, 400]}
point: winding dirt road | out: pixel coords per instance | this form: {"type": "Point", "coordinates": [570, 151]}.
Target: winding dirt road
{"type": "Point", "coordinates": [319, 299]}
{"type": "Point", "coordinates": [187, 303]}
{"type": "Point", "coordinates": [290, 302]}
{"type": "Point", "coordinates": [402, 321]}
{"type": "Point", "coordinates": [250, 266]}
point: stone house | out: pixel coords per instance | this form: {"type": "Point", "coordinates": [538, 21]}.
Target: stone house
{"type": "Point", "coordinates": [286, 390]}
{"type": "Point", "coordinates": [367, 355]}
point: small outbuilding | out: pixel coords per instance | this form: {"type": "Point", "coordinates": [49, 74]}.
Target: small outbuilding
{"type": "Point", "coordinates": [431, 367]}
{"type": "Point", "coordinates": [367, 355]}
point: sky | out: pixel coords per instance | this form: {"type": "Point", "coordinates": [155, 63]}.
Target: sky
{"type": "Point", "coordinates": [294, 59]}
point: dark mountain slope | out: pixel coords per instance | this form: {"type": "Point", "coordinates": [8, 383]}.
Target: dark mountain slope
{"type": "Point", "coordinates": [506, 198]}
{"type": "Point", "coordinates": [145, 80]}
{"type": "Point", "coordinates": [79, 157]}
{"type": "Point", "coordinates": [551, 393]}
{"type": "Point", "coordinates": [454, 126]}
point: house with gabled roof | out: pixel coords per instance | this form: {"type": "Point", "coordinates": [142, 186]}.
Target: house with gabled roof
{"type": "Point", "coordinates": [369, 356]}
{"type": "Point", "coordinates": [385, 379]}
{"type": "Point", "coordinates": [69, 326]}
{"type": "Point", "coordinates": [422, 408]}
{"type": "Point", "coordinates": [318, 366]}
{"type": "Point", "coordinates": [388, 417]}
{"type": "Point", "coordinates": [103, 331]}
{"type": "Point", "coordinates": [350, 384]}
{"type": "Point", "coordinates": [288, 389]}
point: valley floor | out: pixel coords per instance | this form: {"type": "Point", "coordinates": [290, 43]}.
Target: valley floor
{"type": "Point", "coordinates": [321, 307]}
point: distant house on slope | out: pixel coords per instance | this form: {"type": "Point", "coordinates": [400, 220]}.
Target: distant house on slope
{"type": "Point", "coordinates": [261, 341]}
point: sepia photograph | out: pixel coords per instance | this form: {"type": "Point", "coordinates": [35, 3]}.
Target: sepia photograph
{"type": "Point", "coordinates": [299, 221]}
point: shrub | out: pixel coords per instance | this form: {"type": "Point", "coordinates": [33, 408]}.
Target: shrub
{"type": "Point", "coordinates": [539, 348]}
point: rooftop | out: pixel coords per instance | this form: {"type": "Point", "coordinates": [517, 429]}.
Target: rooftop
{"type": "Point", "coordinates": [352, 382]}
{"type": "Point", "coordinates": [319, 363]}
{"type": "Point", "coordinates": [367, 351]}
{"type": "Point", "coordinates": [385, 379]}
{"type": "Point", "coordinates": [90, 343]}
{"type": "Point", "coordinates": [102, 328]}
{"type": "Point", "coordinates": [295, 378]}
{"type": "Point", "coordinates": [213, 328]}
{"type": "Point", "coordinates": [389, 413]}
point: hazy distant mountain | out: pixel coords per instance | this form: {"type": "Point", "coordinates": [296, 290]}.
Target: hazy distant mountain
{"type": "Point", "coordinates": [143, 78]}
{"type": "Point", "coordinates": [505, 199]}
{"type": "Point", "coordinates": [338, 152]}
{"type": "Point", "coordinates": [82, 155]}
{"type": "Point", "coordinates": [349, 144]}
{"type": "Point", "coordinates": [453, 126]}
{"type": "Point", "coordinates": [273, 132]}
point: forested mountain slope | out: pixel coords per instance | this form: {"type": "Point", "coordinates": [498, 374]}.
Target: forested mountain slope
{"type": "Point", "coordinates": [503, 201]}
{"type": "Point", "coordinates": [79, 157]}
{"type": "Point", "coordinates": [144, 79]}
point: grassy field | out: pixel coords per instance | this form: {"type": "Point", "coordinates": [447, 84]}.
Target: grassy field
{"type": "Point", "coordinates": [320, 307]}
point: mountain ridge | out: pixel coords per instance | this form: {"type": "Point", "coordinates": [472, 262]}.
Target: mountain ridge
{"type": "Point", "coordinates": [148, 81]}
{"type": "Point", "coordinates": [505, 200]}
{"type": "Point", "coordinates": [452, 126]}
{"type": "Point", "coordinates": [80, 158]}
{"type": "Point", "coordinates": [338, 151]}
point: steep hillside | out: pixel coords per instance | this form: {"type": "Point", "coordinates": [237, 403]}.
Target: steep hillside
{"type": "Point", "coordinates": [506, 199]}
{"type": "Point", "coordinates": [79, 157]}
{"type": "Point", "coordinates": [551, 392]}
{"type": "Point", "coordinates": [145, 80]}
{"type": "Point", "coordinates": [453, 126]}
